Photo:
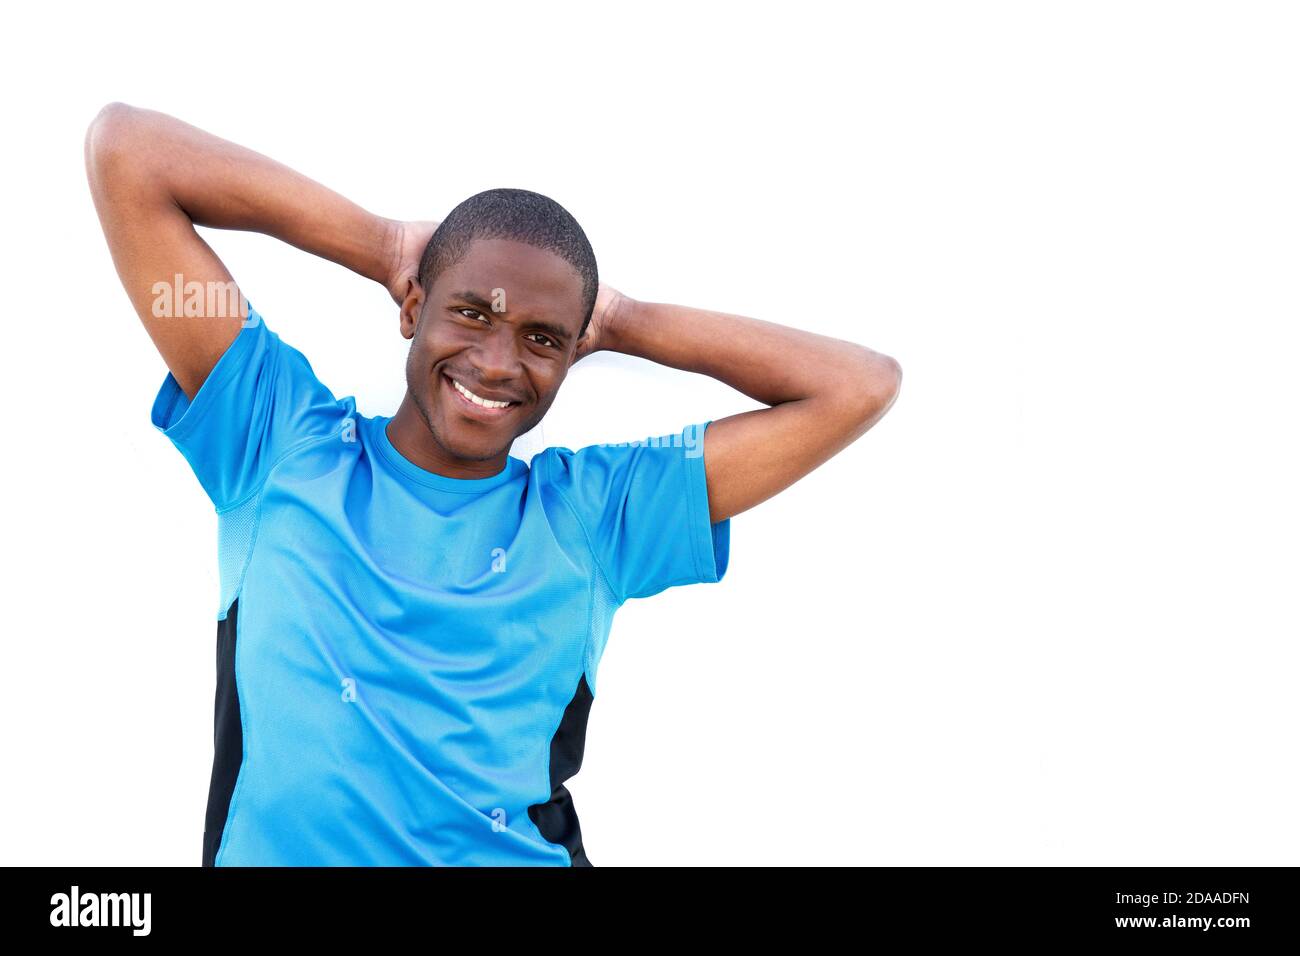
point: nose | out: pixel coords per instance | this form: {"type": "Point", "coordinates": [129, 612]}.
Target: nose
{"type": "Point", "coordinates": [496, 359]}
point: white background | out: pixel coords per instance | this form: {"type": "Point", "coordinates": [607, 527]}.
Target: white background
{"type": "Point", "coordinates": [1043, 613]}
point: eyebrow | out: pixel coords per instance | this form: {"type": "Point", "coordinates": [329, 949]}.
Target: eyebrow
{"type": "Point", "coordinates": [550, 328]}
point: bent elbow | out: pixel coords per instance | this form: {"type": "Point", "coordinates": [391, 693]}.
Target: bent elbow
{"type": "Point", "coordinates": [108, 138]}
{"type": "Point", "coordinates": [881, 384]}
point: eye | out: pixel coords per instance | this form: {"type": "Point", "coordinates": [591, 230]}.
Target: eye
{"type": "Point", "coordinates": [476, 312]}
{"type": "Point", "coordinates": [547, 340]}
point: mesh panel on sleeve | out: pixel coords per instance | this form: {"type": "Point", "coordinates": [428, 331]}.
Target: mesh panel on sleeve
{"type": "Point", "coordinates": [603, 605]}
{"type": "Point", "coordinates": [235, 530]}
{"type": "Point", "coordinates": [570, 535]}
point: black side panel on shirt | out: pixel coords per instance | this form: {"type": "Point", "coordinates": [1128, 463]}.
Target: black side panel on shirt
{"type": "Point", "coordinates": [556, 819]}
{"type": "Point", "coordinates": [228, 738]}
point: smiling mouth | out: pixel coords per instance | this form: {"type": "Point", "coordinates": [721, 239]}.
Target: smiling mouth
{"type": "Point", "coordinates": [475, 406]}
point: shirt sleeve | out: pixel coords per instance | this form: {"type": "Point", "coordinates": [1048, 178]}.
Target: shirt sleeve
{"type": "Point", "coordinates": [644, 507]}
{"type": "Point", "coordinates": [259, 401]}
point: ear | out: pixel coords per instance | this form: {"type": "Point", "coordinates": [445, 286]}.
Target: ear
{"type": "Point", "coordinates": [412, 306]}
{"type": "Point", "coordinates": [582, 347]}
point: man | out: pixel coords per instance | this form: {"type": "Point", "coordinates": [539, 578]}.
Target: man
{"type": "Point", "coordinates": [411, 618]}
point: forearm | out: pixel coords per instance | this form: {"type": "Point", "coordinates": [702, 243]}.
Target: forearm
{"type": "Point", "coordinates": [770, 363]}
{"type": "Point", "coordinates": [824, 392]}
{"type": "Point", "coordinates": [220, 184]}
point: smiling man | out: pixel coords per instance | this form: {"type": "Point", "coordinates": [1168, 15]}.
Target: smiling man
{"type": "Point", "coordinates": [410, 618]}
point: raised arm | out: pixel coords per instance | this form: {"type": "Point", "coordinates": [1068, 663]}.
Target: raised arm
{"type": "Point", "coordinates": [153, 178]}
{"type": "Point", "coordinates": [824, 392]}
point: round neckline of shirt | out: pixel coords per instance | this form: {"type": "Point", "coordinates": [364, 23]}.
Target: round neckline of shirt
{"type": "Point", "coordinates": [409, 469]}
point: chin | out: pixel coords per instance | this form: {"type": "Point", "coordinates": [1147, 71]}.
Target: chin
{"type": "Point", "coordinates": [477, 452]}
{"type": "Point", "coordinates": [468, 441]}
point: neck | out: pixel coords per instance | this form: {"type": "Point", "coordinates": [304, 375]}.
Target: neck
{"type": "Point", "coordinates": [415, 442]}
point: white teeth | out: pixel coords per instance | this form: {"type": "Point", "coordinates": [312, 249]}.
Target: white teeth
{"type": "Point", "coordinates": [475, 399]}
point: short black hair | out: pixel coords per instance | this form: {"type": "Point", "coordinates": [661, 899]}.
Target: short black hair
{"type": "Point", "coordinates": [520, 215]}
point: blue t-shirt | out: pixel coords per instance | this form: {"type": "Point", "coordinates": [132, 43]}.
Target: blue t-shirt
{"type": "Point", "coordinates": [405, 661]}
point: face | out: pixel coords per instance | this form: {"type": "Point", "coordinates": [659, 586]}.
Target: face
{"type": "Point", "coordinates": [502, 324]}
